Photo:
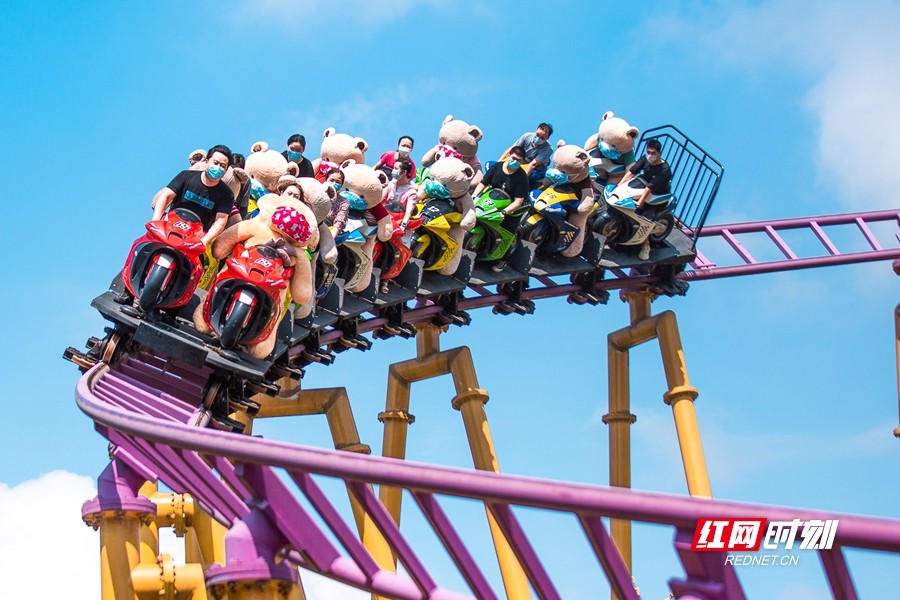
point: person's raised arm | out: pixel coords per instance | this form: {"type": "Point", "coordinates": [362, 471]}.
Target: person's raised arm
{"type": "Point", "coordinates": [161, 202]}
{"type": "Point", "coordinates": [215, 229]}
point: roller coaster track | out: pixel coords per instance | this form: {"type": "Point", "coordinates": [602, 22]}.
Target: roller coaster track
{"type": "Point", "coordinates": [148, 407]}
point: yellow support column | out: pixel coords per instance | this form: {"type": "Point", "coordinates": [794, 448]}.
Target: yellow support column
{"type": "Point", "coordinates": [680, 396]}
{"type": "Point", "coordinates": [469, 401]}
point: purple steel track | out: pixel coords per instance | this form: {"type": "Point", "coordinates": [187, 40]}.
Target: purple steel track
{"type": "Point", "coordinates": [741, 262]}
{"type": "Point", "coordinates": [236, 479]}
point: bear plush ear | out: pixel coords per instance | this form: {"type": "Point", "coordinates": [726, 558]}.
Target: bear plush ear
{"type": "Point", "coordinates": [475, 132]}
{"type": "Point", "coordinates": [259, 147]}
{"type": "Point", "coordinates": [447, 119]}
{"type": "Point", "coordinates": [347, 163]}
{"type": "Point", "coordinates": [328, 132]}
{"type": "Point", "coordinates": [360, 143]}
{"type": "Point", "coordinates": [331, 192]}
{"type": "Point", "coordinates": [632, 132]}
{"type": "Point", "coordinates": [293, 168]}
{"type": "Point", "coordinates": [560, 143]}
{"type": "Point", "coordinates": [607, 115]}
{"type": "Point", "coordinates": [382, 177]}
{"type": "Point", "coordinates": [469, 171]}
{"type": "Point", "coordinates": [240, 174]}
{"type": "Point", "coordinates": [197, 155]}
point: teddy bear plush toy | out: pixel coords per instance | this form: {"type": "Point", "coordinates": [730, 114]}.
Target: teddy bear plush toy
{"type": "Point", "coordinates": [362, 189]}
{"type": "Point", "coordinates": [456, 176]}
{"type": "Point", "coordinates": [268, 227]}
{"type": "Point", "coordinates": [336, 149]}
{"type": "Point", "coordinates": [612, 148]}
{"type": "Point", "coordinates": [265, 168]}
{"type": "Point", "coordinates": [573, 163]}
{"type": "Point", "coordinates": [457, 139]}
{"type": "Point", "coordinates": [319, 198]}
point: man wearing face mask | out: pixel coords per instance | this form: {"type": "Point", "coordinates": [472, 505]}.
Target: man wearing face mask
{"type": "Point", "coordinates": [650, 173]}
{"type": "Point", "coordinates": [201, 192]}
{"type": "Point", "coordinates": [537, 151]}
{"type": "Point", "coordinates": [387, 162]}
{"type": "Point", "coordinates": [296, 146]}
{"type": "Point", "coordinates": [508, 176]}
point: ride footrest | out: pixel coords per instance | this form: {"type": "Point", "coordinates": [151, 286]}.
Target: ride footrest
{"type": "Point", "coordinates": [451, 315]}
{"type": "Point", "coordinates": [350, 337]}
{"type": "Point", "coordinates": [395, 324]}
{"type": "Point", "coordinates": [280, 370]}
{"type": "Point", "coordinates": [514, 302]}
{"type": "Point", "coordinates": [313, 352]}
{"type": "Point", "coordinates": [588, 294]}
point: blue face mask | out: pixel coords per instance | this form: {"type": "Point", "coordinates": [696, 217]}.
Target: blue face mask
{"type": "Point", "coordinates": [437, 190]}
{"type": "Point", "coordinates": [557, 176]}
{"type": "Point", "coordinates": [652, 158]}
{"type": "Point", "coordinates": [294, 156]}
{"type": "Point", "coordinates": [513, 164]}
{"type": "Point", "coordinates": [538, 141]}
{"type": "Point", "coordinates": [336, 186]}
{"type": "Point", "coordinates": [356, 203]}
{"type": "Point", "coordinates": [214, 172]}
{"type": "Point", "coordinates": [608, 151]}
{"type": "Point", "coordinates": [395, 174]}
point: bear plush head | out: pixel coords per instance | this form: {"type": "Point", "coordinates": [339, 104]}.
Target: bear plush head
{"type": "Point", "coordinates": [338, 148]}
{"type": "Point", "coordinates": [453, 174]}
{"type": "Point", "coordinates": [305, 233]}
{"type": "Point", "coordinates": [267, 166]}
{"type": "Point", "coordinates": [459, 137]}
{"type": "Point", "coordinates": [617, 133]}
{"type": "Point", "coordinates": [572, 160]}
{"type": "Point", "coordinates": [362, 182]}
{"type": "Point", "coordinates": [318, 196]}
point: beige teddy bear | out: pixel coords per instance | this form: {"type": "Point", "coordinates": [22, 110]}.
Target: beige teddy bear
{"type": "Point", "coordinates": [363, 188]}
{"type": "Point", "coordinates": [318, 197]}
{"type": "Point", "coordinates": [265, 168]}
{"type": "Point", "coordinates": [456, 176]}
{"type": "Point", "coordinates": [260, 230]}
{"type": "Point", "coordinates": [612, 148]}
{"type": "Point", "coordinates": [336, 149]}
{"type": "Point", "coordinates": [575, 163]}
{"type": "Point", "coordinates": [457, 139]}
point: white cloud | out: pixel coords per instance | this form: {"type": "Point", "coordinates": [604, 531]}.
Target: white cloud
{"type": "Point", "coordinates": [44, 542]}
{"type": "Point", "coordinates": [849, 51]}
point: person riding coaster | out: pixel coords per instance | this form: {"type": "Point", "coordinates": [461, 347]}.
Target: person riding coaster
{"type": "Point", "coordinates": [641, 206]}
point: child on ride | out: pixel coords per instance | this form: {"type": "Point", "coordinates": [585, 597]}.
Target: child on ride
{"type": "Point", "coordinates": [388, 160]}
{"type": "Point", "coordinates": [400, 195]}
{"type": "Point", "coordinates": [340, 207]}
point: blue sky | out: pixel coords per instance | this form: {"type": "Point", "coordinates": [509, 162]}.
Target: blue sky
{"type": "Point", "coordinates": [103, 101]}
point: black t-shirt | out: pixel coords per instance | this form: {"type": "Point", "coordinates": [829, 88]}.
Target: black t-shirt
{"type": "Point", "coordinates": [516, 185]}
{"type": "Point", "coordinates": [305, 165]}
{"type": "Point", "coordinates": [206, 202]}
{"type": "Point", "coordinates": [656, 177]}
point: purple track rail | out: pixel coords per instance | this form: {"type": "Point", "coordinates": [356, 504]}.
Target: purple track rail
{"type": "Point", "coordinates": [242, 479]}
{"type": "Point", "coordinates": [736, 262]}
